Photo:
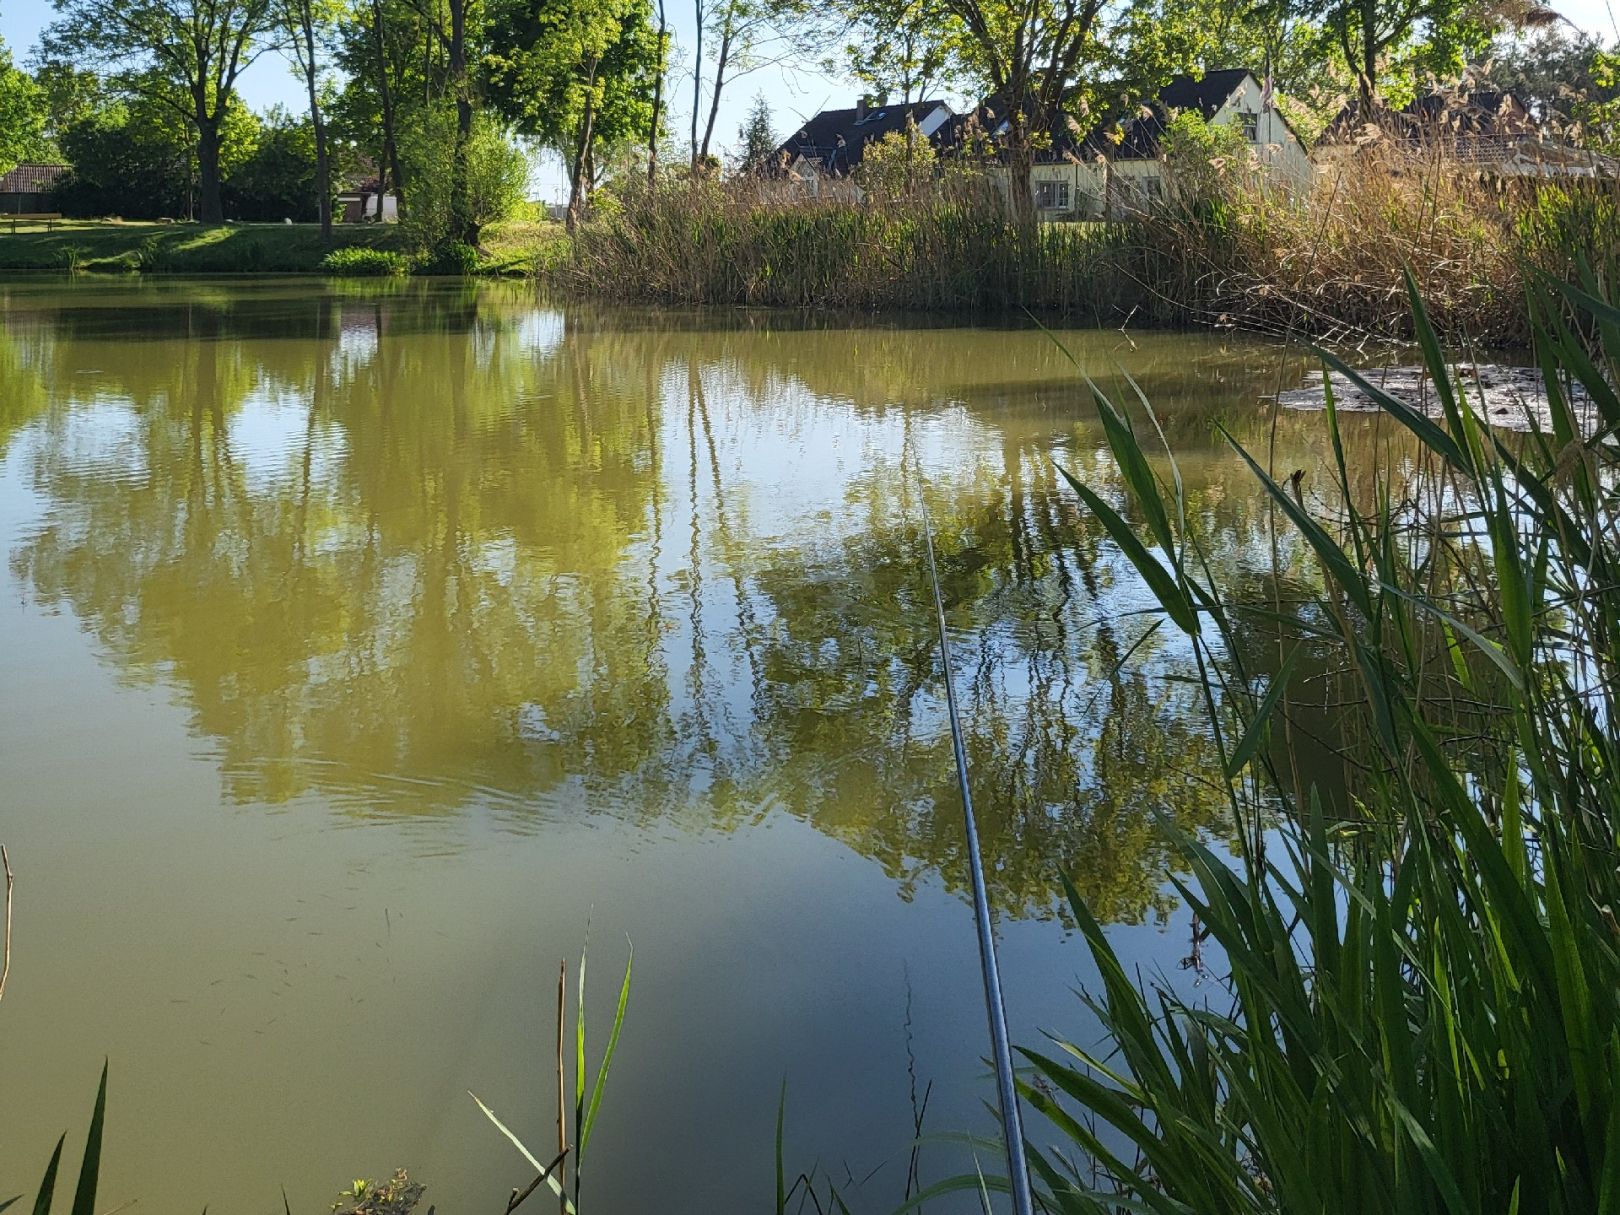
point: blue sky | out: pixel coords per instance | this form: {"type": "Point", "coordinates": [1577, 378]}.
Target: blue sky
{"type": "Point", "coordinates": [792, 93]}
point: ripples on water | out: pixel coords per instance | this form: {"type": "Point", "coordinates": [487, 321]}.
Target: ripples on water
{"type": "Point", "coordinates": [579, 614]}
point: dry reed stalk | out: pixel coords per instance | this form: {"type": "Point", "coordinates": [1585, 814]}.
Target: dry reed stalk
{"type": "Point", "coordinates": [5, 951]}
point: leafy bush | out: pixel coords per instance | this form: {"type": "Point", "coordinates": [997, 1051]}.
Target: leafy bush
{"type": "Point", "coordinates": [357, 262]}
{"type": "Point", "coordinates": [453, 257]}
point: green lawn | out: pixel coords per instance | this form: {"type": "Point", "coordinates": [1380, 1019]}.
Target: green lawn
{"type": "Point", "coordinates": [111, 246]}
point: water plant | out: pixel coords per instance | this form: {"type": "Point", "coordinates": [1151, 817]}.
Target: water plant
{"type": "Point", "coordinates": [84, 1194]}
{"type": "Point", "coordinates": [555, 1174]}
{"type": "Point", "coordinates": [1419, 1005]}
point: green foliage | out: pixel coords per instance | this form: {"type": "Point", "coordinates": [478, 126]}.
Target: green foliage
{"type": "Point", "coordinates": [22, 115]}
{"type": "Point", "coordinates": [900, 164]}
{"type": "Point", "coordinates": [399, 1195]}
{"type": "Point", "coordinates": [453, 257]}
{"type": "Point", "coordinates": [497, 171]}
{"type": "Point", "coordinates": [355, 262]}
{"type": "Point", "coordinates": [1207, 161]}
{"type": "Point", "coordinates": [1424, 983]}
{"type": "Point", "coordinates": [758, 142]}
{"type": "Point", "coordinates": [276, 179]}
{"type": "Point", "coordinates": [137, 159]}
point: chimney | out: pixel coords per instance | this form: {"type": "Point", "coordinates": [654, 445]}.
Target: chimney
{"type": "Point", "coordinates": [860, 108]}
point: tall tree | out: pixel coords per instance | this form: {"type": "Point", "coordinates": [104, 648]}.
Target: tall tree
{"type": "Point", "coordinates": [185, 54]}
{"type": "Point", "coordinates": [656, 118]}
{"type": "Point", "coordinates": [1029, 52]}
{"type": "Point", "coordinates": [573, 74]}
{"type": "Point", "coordinates": [1374, 36]}
{"type": "Point", "coordinates": [305, 23]}
{"type": "Point", "coordinates": [892, 47]}
{"type": "Point", "coordinates": [22, 114]}
{"type": "Point", "coordinates": [739, 31]}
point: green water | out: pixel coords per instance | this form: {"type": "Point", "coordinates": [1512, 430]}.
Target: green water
{"type": "Point", "coordinates": [360, 647]}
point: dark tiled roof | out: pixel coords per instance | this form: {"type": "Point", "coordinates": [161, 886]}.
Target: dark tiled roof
{"type": "Point", "coordinates": [818, 138]}
{"type": "Point", "coordinates": [1139, 135]}
{"type": "Point", "coordinates": [30, 179]}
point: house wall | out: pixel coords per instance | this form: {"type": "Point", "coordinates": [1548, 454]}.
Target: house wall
{"type": "Point", "coordinates": [1084, 194]}
{"type": "Point", "coordinates": [1278, 149]}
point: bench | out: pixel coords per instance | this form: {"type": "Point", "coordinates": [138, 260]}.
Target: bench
{"type": "Point", "coordinates": [33, 217]}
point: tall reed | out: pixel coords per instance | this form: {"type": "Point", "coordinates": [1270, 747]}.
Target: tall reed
{"type": "Point", "coordinates": [1326, 262]}
{"type": "Point", "coordinates": [1420, 998]}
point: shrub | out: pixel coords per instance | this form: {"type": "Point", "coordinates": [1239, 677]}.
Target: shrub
{"type": "Point", "coordinates": [358, 262]}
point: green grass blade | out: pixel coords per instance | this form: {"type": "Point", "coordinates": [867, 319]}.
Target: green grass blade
{"type": "Point", "coordinates": [550, 1174]}
{"type": "Point", "coordinates": [781, 1172]}
{"type": "Point", "coordinates": [607, 1056]}
{"type": "Point", "coordinates": [1153, 572]}
{"type": "Point", "coordinates": [47, 1185]}
{"type": "Point", "coordinates": [1255, 730]}
{"type": "Point", "coordinates": [84, 1197]}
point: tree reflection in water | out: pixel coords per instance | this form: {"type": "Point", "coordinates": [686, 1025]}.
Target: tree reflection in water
{"type": "Point", "coordinates": [421, 549]}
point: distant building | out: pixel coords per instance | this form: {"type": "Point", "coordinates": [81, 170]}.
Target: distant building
{"type": "Point", "coordinates": [1118, 168]}
{"type": "Point", "coordinates": [367, 202]}
{"type": "Point", "coordinates": [26, 190]}
{"type": "Point", "coordinates": [830, 145]}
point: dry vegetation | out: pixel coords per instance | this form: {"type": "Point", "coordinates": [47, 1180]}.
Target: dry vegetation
{"type": "Point", "coordinates": [1329, 264]}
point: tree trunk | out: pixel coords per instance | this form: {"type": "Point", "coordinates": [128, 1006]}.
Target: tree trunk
{"type": "Point", "coordinates": [385, 98]}
{"type": "Point", "coordinates": [1367, 78]}
{"type": "Point", "coordinates": [1020, 166]}
{"type": "Point", "coordinates": [697, 86]}
{"type": "Point", "coordinates": [323, 164]}
{"type": "Point", "coordinates": [210, 205]}
{"type": "Point", "coordinates": [657, 98]}
{"type": "Point", "coordinates": [462, 226]}
{"type": "Point", "coordinates": [719, 83]}
{"type": "Point", "coordinates": [582, 160]}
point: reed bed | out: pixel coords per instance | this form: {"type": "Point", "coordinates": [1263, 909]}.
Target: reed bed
{"type": "Point", "coordinates": [1327, 263]}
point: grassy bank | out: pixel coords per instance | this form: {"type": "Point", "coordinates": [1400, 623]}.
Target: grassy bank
{"type": "Point", "coordinates": [1224, 252]}
{"type": "Point", "coordinates": [109, 246]}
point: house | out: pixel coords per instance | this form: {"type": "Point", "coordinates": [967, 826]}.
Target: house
{"type": "Point", "coordinates": [830, 145]}
{"type": "Point", "coordinates": [367, 202]}
{"type": "Point", "coordinates": [1493, 132]}
{"type": "Point", "coordinates": [26, 190]}
{"type": "Point", "coordinates": [1119, 167]}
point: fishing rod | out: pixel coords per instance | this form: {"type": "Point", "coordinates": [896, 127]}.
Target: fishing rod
{"type": "Point", "coordinates": [1012, 1126]}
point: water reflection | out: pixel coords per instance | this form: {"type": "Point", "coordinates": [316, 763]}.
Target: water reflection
{"type": "Point", "coordinates": [425, 550]}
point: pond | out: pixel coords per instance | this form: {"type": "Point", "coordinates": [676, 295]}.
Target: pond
{"type": "Point", "coordinates": [364, 648]}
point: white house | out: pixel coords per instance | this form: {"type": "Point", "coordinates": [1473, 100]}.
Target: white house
{"type": "Point", "coordinates": [1120, 168]}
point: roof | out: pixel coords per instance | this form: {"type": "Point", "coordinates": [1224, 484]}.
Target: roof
{"type": "Point", "coordinates": [30, 179]}
{"type": "Point", "coordinates": [1139, 136]}
{"type": "Point", "coordinates": [818, 138]}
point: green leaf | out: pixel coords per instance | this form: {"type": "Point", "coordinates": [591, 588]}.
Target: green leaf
{"type": "Point", "coordinates": [84, 1198]}
{"type": "Point", "coordinates": [607, 1055]}
{"type": "Point", "coordinates": [1255, 730]}
{"type": "Point", "coordinates": [47, 1185]}
{"type": "Point", "coordinates": [1153, 572]}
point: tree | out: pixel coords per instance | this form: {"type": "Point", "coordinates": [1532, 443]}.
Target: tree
{"type": "Point", "coordinates": [280, 178]}
{"type": "Point", "coordinates": [758, 143]}
{"type": "Point", "coordinates": [302, 20]}
{"type": "Point", "coordinates": [576, 73]}
{"type": "Point", "coordinates": [1417, 36]}
{"type": "Point", "coordinates": [22, 114]}
{"type": "Point", "coordinates": [738, 30]}
{"type": "Point", "coordinates": [137, 159]}
{"type": "Point", "coordinates": [184, 54]}
{"type": "Point", "coordinates": [892, 47]}
{"type": "Point", "coordinates": [1028, 51]}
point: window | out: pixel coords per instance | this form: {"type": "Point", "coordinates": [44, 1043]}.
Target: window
{"type": "Point", "coordinates": [1249, 124]}
{"type": "Point", "coordinates": [1052, 195]}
